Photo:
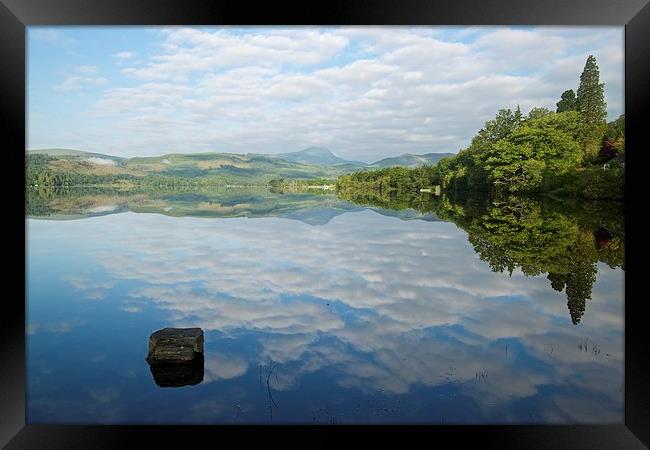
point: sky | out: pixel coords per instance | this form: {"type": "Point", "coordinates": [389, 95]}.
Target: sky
{"type": "Point", "coordinates": [363, 92]}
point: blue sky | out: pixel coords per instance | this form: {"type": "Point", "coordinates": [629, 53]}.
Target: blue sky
{"type": "Point", "coordinates": [364, 92]}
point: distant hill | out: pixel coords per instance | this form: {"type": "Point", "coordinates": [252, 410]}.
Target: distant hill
{"type": "Point", "coordinates": [317, 156]}
{"type": "Point", "coordinates": [323, 156]}
{"type": "Point", "coordinates": [73, 154]}
{"type": "Point", "coordinates": [410, 160]}
{"type": "Point", "coordinates": [229, 168]}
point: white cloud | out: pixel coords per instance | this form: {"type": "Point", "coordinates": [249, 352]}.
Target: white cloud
{"type": "Point", "coordinates": [124, 55]}
{"type": "Point", "coordinates": [77, 83]}
{"type": "Point", "coordinates": [364, 92]}
{"type": "Point", "coordinates": [190, 50]}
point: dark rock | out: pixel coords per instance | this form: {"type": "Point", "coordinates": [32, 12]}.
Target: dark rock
{"type": "Point", "coordinates": [178, 374]}
{"type": "Point", "coordinates": [175, 345]}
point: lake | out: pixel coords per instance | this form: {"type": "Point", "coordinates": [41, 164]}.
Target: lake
{"type": "Point", "coordinates": [318, 309]}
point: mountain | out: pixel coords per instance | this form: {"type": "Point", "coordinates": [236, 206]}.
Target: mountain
{"type": "Point", "coordinates": [410, 160]}
{"type": "Point", "coordinates": [223, 168]}
{"type": "Point", "coordinates": [227, 168]}
{"type": "Point", "coordinates": [324, 157]}
{"type": "Point", "coordinates": [317, 155]}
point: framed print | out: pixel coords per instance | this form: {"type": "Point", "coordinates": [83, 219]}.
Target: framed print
{"type": "Point", "coordinates": [352, 217]}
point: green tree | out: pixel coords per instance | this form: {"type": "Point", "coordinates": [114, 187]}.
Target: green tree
{"type": "Point", "coordinates": [537, 113]}
{"type": "Point", "coordinates": [592, 107]}
{"type": "Point", "coordinates": [615, 135]}
{"type": "Point", "coordinates": [500, 127]}
{"type": "Point", "coordinates": [550, 145]}
{"type": "Point", "coordinates": [512, 168]}
{"type": "Point", "coordinates": [568, 101]}
{"type": "Point", "coordinates": [616, 128]}
{"type": "Point", "coordinates": [543, 152]}
{"type": "Point", "coordinates": [519, 163]}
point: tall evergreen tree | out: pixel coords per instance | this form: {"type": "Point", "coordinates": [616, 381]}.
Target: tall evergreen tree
{"type": "Point", "coordinates": [592, 107]}
{"type": "Point", "coordinates": [568, 102]}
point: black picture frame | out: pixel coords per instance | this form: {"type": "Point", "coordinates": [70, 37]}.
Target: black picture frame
{"type": "Point", "coordinates": [16, 15]}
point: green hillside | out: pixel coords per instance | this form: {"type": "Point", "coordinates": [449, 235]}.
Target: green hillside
{"type": "Point", "coordinates": [410, 160]}
{"type": "Point", "coordinates": [73, 167]}
{"type": "Point", "coordinates": [66, 167]}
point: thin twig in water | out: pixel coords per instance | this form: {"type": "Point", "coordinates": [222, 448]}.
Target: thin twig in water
{"type": "Point", "coordinates": [272, 403]}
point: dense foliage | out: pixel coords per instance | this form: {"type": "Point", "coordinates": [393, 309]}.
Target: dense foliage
{"type": "Point", "coordinates": [567, 102]}
{"type": "Point", "coordinates": [37, 172]}
{"type": "Point", "coordinates": [298, 185]}
{"type": "Point", "coordinates": [383, 182]}
{"type": "Point", "coordinates": [559, 152]}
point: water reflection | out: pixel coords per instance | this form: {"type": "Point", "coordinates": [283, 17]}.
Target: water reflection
{"type": "Point", "coordinates": [210, 202]}
{"type": "Point", "coordinates": [367, 317]}
{"type": "Point", "coordinates": [177, 375]}
{"type": "Point", "coordinates": [564, 242]}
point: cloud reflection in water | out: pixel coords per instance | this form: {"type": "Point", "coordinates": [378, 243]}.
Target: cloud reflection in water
{"type": "Point", "coordinates": [378, 304]}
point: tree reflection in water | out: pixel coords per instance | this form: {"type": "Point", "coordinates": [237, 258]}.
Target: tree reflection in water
{"type": "Point", "coordinates": [561, 239]}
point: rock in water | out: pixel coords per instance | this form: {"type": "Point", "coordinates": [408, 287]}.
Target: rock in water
{"type": "Point", "coordinates": [175, 345]}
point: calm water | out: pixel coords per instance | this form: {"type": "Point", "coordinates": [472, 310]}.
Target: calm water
{"type": "Point", "coordinates": [318, 310]}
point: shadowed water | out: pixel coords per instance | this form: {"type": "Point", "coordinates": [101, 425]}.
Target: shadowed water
{"type": "Point", "coordinates": [318, 309]}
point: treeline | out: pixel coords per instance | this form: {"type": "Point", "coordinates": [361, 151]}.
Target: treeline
{"type": "Point", "coordinates": [560, 152]}
{"type": "Point", "coordinates": [297, 185]}
{"type": "Point", "coordinates": [542, 152]}
{"type": "Point", "coordinates": [383, 183]}
{"type": "Point", "coordinates": [39, 175]}
{"type": "Point", "coordinates": [37, 172]}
